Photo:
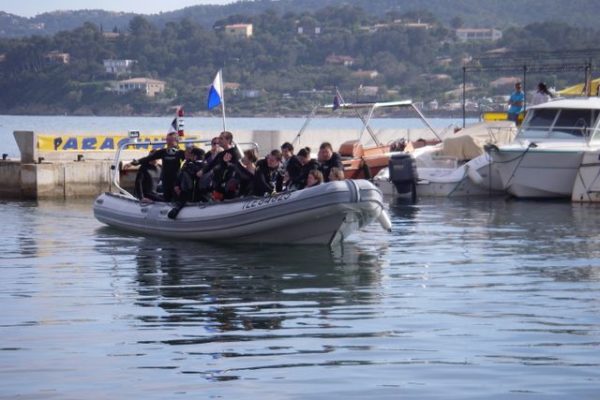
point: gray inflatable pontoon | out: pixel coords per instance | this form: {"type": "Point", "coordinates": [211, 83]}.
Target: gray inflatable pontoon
{"type": "Point", "coordinates": [324, 214]}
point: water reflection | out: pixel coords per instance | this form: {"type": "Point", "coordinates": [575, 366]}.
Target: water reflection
{"type": "Point", "coordinates": [462, 297]}
{"type": "Point", "coordinates": [225, 289]}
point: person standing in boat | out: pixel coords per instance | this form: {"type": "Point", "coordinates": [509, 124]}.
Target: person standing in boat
{"type": "Point", "coordinates": [268, 178]}
{"type": "Point", "coordinates": [542, 95]}
{"type": "Point", "coordinates": [516, 103]}
{"type": "Point", "coordinates": [328, 159]}
{"type": "Point", "coordinates": [146, 181]}
{"type": "Point", "coordinates": [171, 157]}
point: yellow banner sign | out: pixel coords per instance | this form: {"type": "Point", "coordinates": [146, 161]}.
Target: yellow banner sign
{"type": "Point", "coordinates": [93, 142]}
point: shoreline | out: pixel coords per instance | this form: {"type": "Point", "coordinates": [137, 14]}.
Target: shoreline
{"type": "Point", "coordinates": [401, 115]}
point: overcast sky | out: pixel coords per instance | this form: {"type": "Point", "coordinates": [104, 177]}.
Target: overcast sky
{"type": "Point", "coordinates": [30, 8]}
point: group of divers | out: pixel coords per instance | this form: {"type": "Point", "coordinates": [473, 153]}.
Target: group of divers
{"type": "Point", "coordinates": [224, 173]}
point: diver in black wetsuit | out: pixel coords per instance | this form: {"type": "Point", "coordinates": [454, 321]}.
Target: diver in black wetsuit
{"type": "Point", "coordinates": [187, 183]}
{"type": "Point", "coordinates": [290, 162]}
{"type": "Point", "coordinates": [171, 157]}
{"type": "Point", "coordinates": [307, 165]}
{"type": "Point", "coordinates": [146, 181]}
{"type": "Point", "coordinates": [220, 166]}
{"type": "Point", "coordinates": [268, 177]}
{"type": "Point", "coordinates": [328, 159]}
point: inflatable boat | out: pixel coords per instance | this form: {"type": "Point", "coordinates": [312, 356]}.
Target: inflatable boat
{"type": "Point", "coordinates": [324, 215]}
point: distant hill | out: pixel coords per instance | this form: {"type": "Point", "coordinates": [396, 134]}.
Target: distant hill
{"type": "Point", "coordinates": [280, 69]}
{"type": "Point", "coordinates": [471, 13]}
{"type": "Point", "coordinates": [53, 22]}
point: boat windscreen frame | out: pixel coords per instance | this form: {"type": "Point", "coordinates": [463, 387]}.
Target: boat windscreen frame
{"type": "Point", "coordinates": [371, 107]}
{"type": "Point", "coordinates": [588, 133]}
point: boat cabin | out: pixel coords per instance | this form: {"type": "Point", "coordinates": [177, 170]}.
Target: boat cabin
{"type": "Point", "coordinates": [564, 119]}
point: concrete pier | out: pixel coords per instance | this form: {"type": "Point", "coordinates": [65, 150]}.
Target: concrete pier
{"type": "Point", "coordinates": [53, 180]}
{"type": "Point", "coordinates": [66, 167]}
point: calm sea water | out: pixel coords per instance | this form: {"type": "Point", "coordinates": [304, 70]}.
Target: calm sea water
{"type": "Point", "coordinates": [212, 126]}
{"type": "Point", "coordinates": [485, 299]}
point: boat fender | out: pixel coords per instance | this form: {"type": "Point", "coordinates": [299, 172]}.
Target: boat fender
{"type": "Point", "coordinates": [385, 221]}
{"type": "Point", "coordinates": [474, 175]}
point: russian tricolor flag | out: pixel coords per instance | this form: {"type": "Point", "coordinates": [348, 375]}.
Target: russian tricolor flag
{"type": "Point", "coordinates": [215, 94]}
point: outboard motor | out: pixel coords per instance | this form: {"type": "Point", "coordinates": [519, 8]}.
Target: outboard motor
{"type": "Point", "coordinates": [403, 174]}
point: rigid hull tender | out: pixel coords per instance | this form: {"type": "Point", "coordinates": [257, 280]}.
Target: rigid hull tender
{"type": "Point", "coordinates": [324, 215]}
{"type": "Point", "coordinates": [546, 155]}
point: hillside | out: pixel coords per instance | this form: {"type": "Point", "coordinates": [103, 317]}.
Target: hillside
{"type": "Point", "coordinates": [290, 62]}
{"type": "Point", "coordinates": [473, 13]}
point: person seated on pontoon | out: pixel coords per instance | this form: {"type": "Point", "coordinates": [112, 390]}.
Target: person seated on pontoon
{"type": "Point", "coordinates": [171, 157]}
{"type": "Point", "coordinates": [219, 165]}
{"type": "Point", "coordinates": [307, 164]}
{"type": "Point", "coordinates": [268, 178]}
{"type": "Point", "coordinates": [229, 154]}
{"type": "Point", "coordinates": [315, 177]}
{"type": "Point", "coordinates": [240, 177]}
{"type": "Point", "coordinates": [205, 181]}
{"type": "Point", "coordinates": [214, 150]}
{"type": "Point", "coordinates": [245, 173]}
{"type": "Point", "coordinates": [336, 174]}
{"type": "Point", "coordinates": [187, 184]}
{"type": "Point", "coordinates": [328, 159]}
{"type": "Point", "coordinates": [290, 163]}
{"type": "Point", "coordinates": [146, 181]}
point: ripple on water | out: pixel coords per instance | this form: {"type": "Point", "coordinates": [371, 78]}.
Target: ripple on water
{"type": "Point", "coordinates": [464, 299]}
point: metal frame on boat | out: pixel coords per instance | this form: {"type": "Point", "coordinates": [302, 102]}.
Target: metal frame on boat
{"type": "Point", "coordinates": [361, 161]}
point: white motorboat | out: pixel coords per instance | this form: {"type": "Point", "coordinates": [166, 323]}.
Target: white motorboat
{"type": "Point", "coordinates": [458, 166]}
{"type": "Point", "coordinates": [324, 214]}
{"type": "Point", "coordinates": [546, 155]}
{"type": "Point", "coordinates": [586, 188]}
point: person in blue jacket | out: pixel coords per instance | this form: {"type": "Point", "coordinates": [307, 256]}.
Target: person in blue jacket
{"type": "Point", "coordinates": [516, 102]}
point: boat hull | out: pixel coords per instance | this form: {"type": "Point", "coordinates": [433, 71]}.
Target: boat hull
{"type": "Point", "coordinates": [459, 182]}
{"type": "Point", "coordinates": [322, 215]}
{"type": "Point", "coordinates": [537, 173]}
{"type": "Point", "coordinates": [587, 181]}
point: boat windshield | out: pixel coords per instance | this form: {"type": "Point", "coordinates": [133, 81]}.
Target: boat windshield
{"type": "Point", "coordinates": [561, 123]}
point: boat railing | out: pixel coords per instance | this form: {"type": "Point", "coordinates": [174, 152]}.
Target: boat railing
{"type": "Point", "coordinates": [364, 112]}
{"type": "Point", "coordinates": [133, 142]}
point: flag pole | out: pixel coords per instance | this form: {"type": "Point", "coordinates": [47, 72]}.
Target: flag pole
{"type": "Point", "coordinates": [223, 99]}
